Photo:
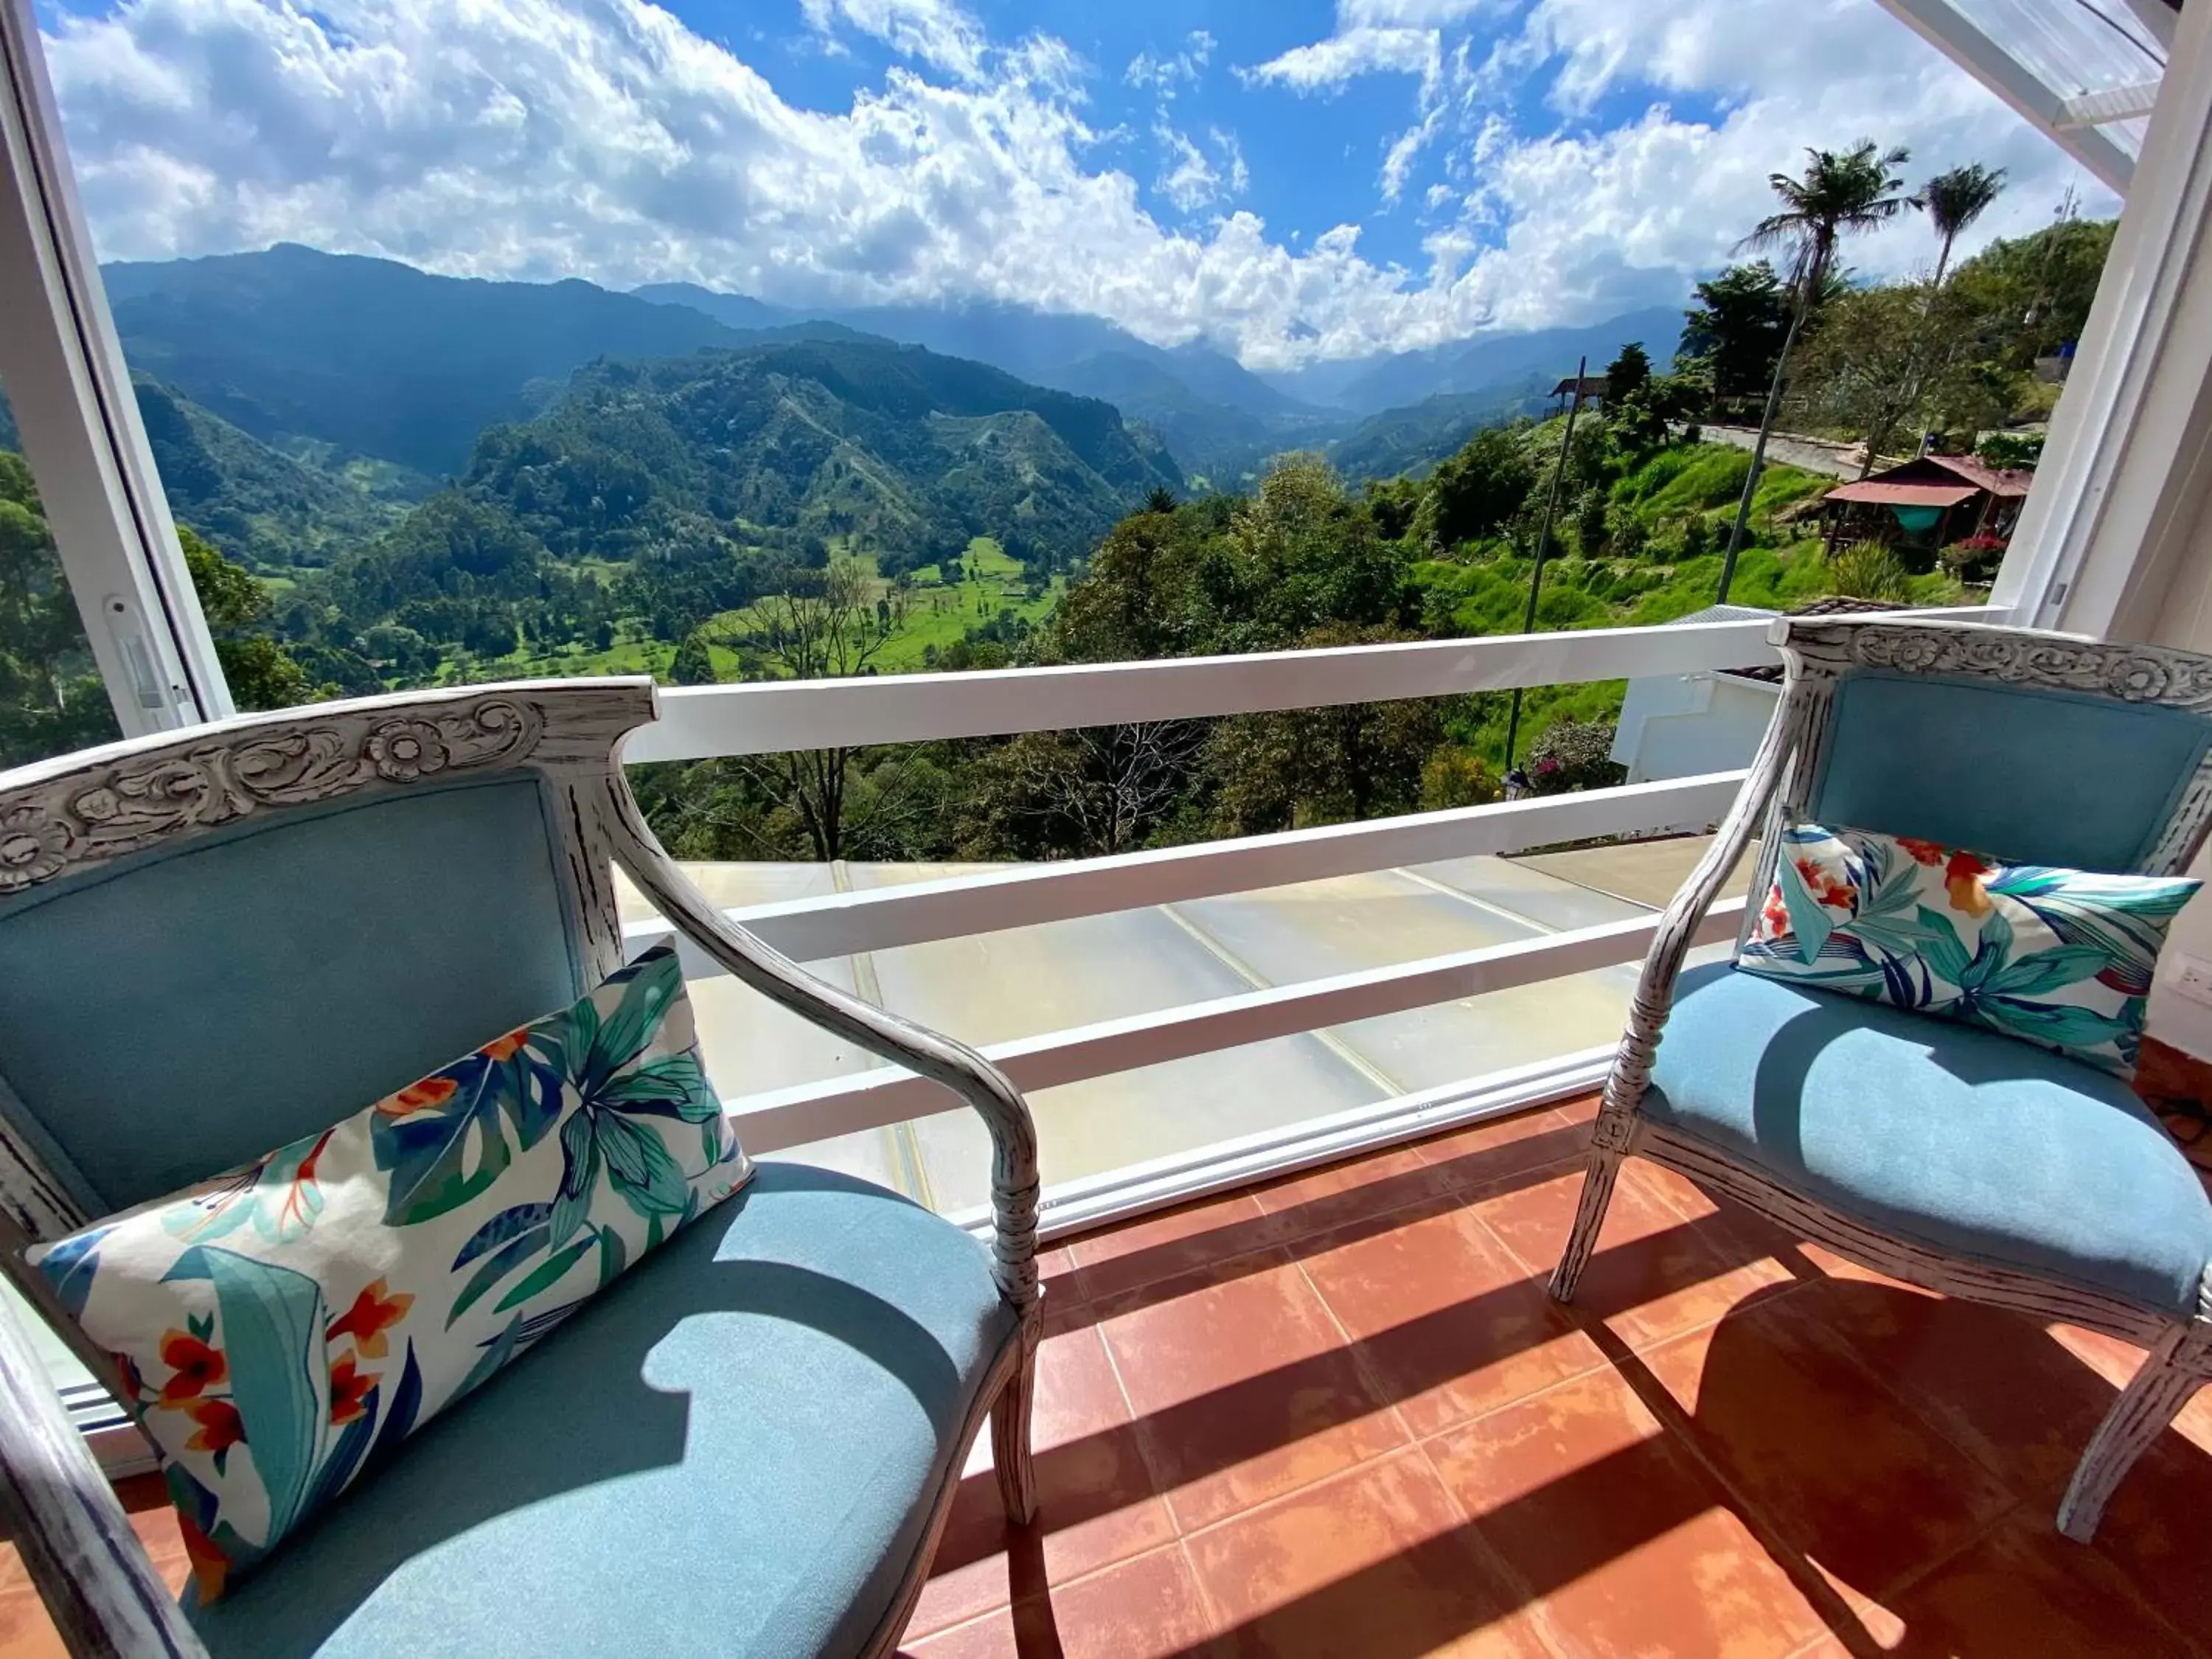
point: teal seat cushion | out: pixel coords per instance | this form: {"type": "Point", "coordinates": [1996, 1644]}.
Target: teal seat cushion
{"type": "Point", "coordinates": [1955, 1138]}
{"type": "Point", "coordinates": [734, 1450]}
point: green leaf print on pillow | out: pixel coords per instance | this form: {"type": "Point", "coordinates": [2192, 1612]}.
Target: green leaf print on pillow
{"type": "Point", "coordinates": [2060, 957]}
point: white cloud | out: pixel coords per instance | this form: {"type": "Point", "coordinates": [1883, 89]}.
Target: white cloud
{"type": "Point", "coordinates": [1406, 151]}
{"type": "Point", "coordinates": [1165, 74]}
{"type": "Point", "coordinates": [1576, 223]}
{"type": "Point", "coordinates": [1326, 64]}
{"type": "Point", "coordinates": [1238, 176]}
{"type": "Point", "coordinates": [936, 31]}
{"type": "Point", "coordinates": [1191, 180]}
{"type": "Point", "coordinates": [1412, 14]}
{"type": "Point", "coordinates": [605, 139]}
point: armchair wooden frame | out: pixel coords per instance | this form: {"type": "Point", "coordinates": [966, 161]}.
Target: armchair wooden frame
{"type": "Point", "coordinates": [62, 816]}
{"type": "Point", "coordinates": [1818, 653]}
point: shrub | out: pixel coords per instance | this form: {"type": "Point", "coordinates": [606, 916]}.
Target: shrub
{"type": "Point", "coordinates": [2009, 449]}
{"type": "Point", "coordinates": [1975, 559]}
{"type": "Point", "coordinates": [1453, 777]}
{"type": "Point", "coordinates": [1574, 755]}
{"type": "Point", "coordinates": [1868, 570]}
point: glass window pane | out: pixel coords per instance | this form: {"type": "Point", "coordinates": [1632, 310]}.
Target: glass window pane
{"type": "Point", "coordinates": [51, 700]}
{"type": "Point", "coordinates": [558, 365]}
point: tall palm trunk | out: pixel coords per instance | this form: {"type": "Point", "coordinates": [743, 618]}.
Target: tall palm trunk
{"type": "Point", "coordinates": [1766, 430]}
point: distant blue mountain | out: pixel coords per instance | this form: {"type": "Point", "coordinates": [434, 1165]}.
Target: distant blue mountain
{"type": "Point", "coordinates": [1492, 365]}
{"type": "Point", "coordinates": [1216, 415]}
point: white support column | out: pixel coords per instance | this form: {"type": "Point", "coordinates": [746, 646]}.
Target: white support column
{"type": "Point", "coordinates": [64, 375]}
{"type": "Point", "coordinates": [2114, 513]}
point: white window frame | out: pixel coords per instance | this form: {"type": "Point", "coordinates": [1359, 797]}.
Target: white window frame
{"type": "Point", "coordinates": [2114, 514]}
{"type": "Point", "coordinates": [62, 368]}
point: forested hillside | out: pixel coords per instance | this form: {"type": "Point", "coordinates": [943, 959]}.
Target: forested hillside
{"type": "Point", "coordinates": [1306, 561]}
{"type": "Point", "coordinates": [50, 698]}
{"type": "Point", "coordinates": [650, 497]}
{"type": "Point", "coordinates": [810, 501]}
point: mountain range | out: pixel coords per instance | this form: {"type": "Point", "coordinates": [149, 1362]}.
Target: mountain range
{"type": "Point", "coordinates": [910, 452]}
{"type": "Point", "coordinates": [338, 354]}
{"type": "Point", "coordinates": [1220, 419]}
{"type": "Point", "coordinates": [297, 400]}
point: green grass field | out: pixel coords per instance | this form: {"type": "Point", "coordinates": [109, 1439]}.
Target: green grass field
{"type": "Point", "coordinates": [937, 615]}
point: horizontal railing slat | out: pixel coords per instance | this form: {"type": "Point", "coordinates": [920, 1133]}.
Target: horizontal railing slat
{"type": "Point", "coordinates": [1023, 895]}
{"type": "Point", "coordinates": [772, 1121]}
{"type": "Point", "coordinates": [766, 718]}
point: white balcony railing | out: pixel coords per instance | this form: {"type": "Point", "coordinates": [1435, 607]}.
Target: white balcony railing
{"type": "Point", "coordinates": [699, 722]}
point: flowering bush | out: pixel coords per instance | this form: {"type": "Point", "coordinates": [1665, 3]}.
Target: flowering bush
{"type": "Point", "coordinates": [1574, 755]}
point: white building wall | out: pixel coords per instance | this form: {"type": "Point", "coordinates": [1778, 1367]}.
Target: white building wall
{"type": "Point", "coordinates": [1681, 725]}
{"type": "Point", "coordinates": [2183, 610]}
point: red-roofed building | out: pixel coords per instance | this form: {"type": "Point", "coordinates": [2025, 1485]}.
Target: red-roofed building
{"type": "Point", "coordinates": [1927, 503]}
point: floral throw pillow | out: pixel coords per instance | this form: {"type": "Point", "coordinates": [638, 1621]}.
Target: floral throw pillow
{"type": "Point", "coordinates": [279, 1328]}
{"type": "Point", "coordinates": [2060, 957]}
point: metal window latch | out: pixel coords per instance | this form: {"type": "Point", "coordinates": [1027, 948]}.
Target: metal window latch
{"type": "Point", "coordinates": [147, 687]}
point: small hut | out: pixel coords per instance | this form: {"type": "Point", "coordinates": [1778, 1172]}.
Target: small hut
{"type": "Point", "coordinates": [1584, 388]}
{"type": "Point", "coordinates": [1927, 503]}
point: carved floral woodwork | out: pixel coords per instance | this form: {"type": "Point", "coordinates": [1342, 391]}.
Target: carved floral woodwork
{"type": "Point", "coordinates": [76, 822]}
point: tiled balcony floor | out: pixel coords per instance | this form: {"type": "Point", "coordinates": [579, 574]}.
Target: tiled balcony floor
{"type": "Point", "coordinates": [1338, 1416]}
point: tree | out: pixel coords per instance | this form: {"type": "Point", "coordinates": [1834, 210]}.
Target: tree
{"type": "Point", "coordinates": [1574, 755]}
{"type": "Point", "coordinates": [1308, 766]}
{"type": "Point", "coordinates": [1160, 499]}
{"type": "Point", "coordinates": [51, 697]}
{"type": "Point", "coordinates": [2039, 288]}
{"type": "Point", "coordinates": [1954, 200]}
{"type": "Point", "coordinates": [1888, 363]}
{"type": "Point", "coordinates": [1737, 328]}
{"type": "Point", "coordinates": [1627, 375]}
{"type": "Point", "coordinates": [694, 663]}
{"type": "Point", "coordinates": [261, 673]}
{"type": "Point", "coordinates": [1476, 492]}
{"type": "Point", "coordinates": [1645, 417]}
{"type": "Point", "coordinates": [1082, 793]}
{"type": "Point", "coordinates": [1839, 194]}
{"type": "Point", "coordinates": [822, 626]}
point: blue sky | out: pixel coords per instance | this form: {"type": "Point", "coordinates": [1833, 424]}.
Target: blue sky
{"type": "Point", "coordinates": [1288, 180]}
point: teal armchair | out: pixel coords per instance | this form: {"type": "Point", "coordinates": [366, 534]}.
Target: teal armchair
{"type": "Point", "coordinates": [1949, 1155]}
{"type": "Point", "coordinates": [746, 1445]}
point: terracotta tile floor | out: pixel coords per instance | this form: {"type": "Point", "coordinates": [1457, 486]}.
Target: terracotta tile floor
{"type": "Point", "coordinates": [1339, 1416]}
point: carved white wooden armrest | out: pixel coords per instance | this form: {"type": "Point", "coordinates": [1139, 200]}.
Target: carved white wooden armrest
{"type": "Point", "coordinates": [1678, 927]}
{"type": "Point", "coordinates": [87, 1564]}
{"type": "Point", "coordinates": [958, 1067]}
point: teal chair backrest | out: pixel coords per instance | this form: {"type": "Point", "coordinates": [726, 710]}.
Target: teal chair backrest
{"type": "Point", "coordinates": [2024, 767]}
{"type": "Point", "coordinates": [175, 1012]}
{"type": "Point", "coordinates": [185, 1011]}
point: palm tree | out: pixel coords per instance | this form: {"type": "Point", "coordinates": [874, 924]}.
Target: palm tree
{"type": "Point", "coordinates": [1954, 200]}
{"type": "Point", "coordinates": [1840, 194]}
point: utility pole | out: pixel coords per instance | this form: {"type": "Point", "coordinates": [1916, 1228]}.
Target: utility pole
{"type": "Point", "coordinates": [1544, 546]}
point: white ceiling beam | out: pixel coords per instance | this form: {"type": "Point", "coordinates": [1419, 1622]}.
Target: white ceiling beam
{"type": "Point", "coordinates": [2094, 109]}
{"type": "Point", "coordinates": [1966, 44]}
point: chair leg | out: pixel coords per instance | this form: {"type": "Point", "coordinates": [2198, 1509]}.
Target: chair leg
{"type": "Point", "coordinates": [2156, 1394]}
{"type": "Point", "coordinates": [1589, 1216]}
{"type": "Point", "coordinates": [1010, 1437]}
